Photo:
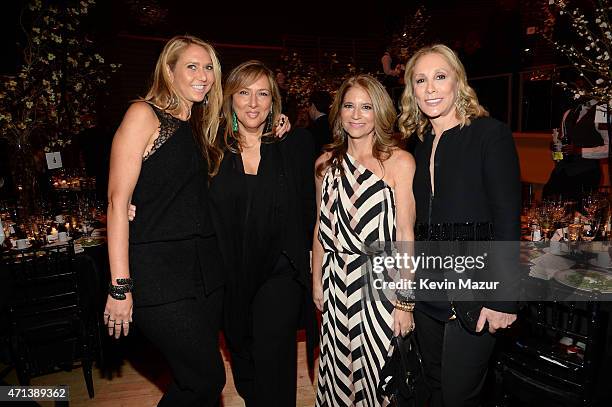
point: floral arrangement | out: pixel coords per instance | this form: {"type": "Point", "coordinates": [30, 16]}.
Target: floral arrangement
{"type": "Point", "coordinates": [412, 36]}
{"type": "Point", "coordinates": [589, 48]}
{"type": "Point", "coordinates": [54, 93]}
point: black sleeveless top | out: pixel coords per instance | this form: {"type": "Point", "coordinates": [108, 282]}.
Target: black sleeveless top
{"type": "Point", "coordinates": [172, 237]}
{"type": "Point", "coordinates": [172, 187]}
{"type": "Point", "coordinates": [583, 132]}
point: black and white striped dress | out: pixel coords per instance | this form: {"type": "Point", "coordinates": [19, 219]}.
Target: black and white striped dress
{"type": "Point", "coordinates": [357, 208]}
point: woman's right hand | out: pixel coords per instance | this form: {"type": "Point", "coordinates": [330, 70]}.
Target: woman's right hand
{"type": "Point", "coordinates": [118, 315]}
{"type": "Point", "coordinates": [131, 212]}
{"type": "Point", "coordinates": [317, 295]}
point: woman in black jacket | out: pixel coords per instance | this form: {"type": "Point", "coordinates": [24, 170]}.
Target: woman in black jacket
{"type": "Point", "coordinates": [262, 203]}
{"type": "Point", "coordinates": [466, 187]}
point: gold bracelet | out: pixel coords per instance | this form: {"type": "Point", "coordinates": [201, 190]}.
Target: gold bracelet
{"type": "Point", "coordinates": [404, 306]}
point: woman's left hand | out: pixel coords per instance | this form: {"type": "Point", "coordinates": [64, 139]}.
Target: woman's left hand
{"type": "Point", "coordinates": [403, 322]}
{"type": "Point", "coordinates": [283, 126]}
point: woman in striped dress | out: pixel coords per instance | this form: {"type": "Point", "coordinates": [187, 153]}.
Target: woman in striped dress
{"type": "Point", "coordinates": [364, 193]}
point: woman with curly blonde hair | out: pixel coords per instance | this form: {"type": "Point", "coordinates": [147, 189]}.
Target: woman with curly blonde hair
{"type": "Point", "coordinates": [466, 187]}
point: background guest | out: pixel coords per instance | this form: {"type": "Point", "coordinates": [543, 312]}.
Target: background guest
{"type": "Point", "coordinates": [318, 110]}
{"type": "Point", "coordinates": [584, 129]}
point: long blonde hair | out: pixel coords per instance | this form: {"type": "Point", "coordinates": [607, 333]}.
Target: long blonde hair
{"type": "Point", "coordinates": [240, 77]}
{"type": "Point", "coordinates": [411, 119]}
{"type": "Point", "coordinates": [204, 116]}
{"type": "Point", "coordinates": [384, 120]}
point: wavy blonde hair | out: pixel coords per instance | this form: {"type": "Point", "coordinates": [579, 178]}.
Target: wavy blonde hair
{"type": "Point", "coordinates": [204, 116]}
{"type": "Point", "coordinates": [384, 121]}
{"type": "Point", "coordinates": [239, 78]}
{"type": "Point", "coordinates": [412, 120]}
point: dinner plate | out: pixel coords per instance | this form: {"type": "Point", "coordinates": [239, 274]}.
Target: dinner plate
{"type": "Point", "coordinates": [586, 280]}
{"type": "Point", "coordinates": [58, 243]}
{"type": "Point", "coordinates": [90, 241]}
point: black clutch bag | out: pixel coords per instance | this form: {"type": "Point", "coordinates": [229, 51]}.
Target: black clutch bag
{"type": "Point", "coordinates": [402, 373]}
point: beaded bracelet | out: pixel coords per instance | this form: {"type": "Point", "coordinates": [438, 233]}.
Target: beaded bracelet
{"type": "Point", "coordinates": [405, 295]}
{"type": "Point", "coordinates": [404, 306]}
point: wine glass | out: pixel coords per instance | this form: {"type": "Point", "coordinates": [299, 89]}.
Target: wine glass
{"type": "Point", "coordinates": [589, 231]}
{"type": "Point", "coordinates": [545, 220]}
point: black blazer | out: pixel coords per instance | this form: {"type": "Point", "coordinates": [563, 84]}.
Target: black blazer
{"type": "Point", "coordinates": [280, 223]}
{"type": "Point", "coordinates": [477, 179]}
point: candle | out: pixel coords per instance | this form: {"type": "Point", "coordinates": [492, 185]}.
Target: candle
{"type": "Point", "coordinates": [53, 231]}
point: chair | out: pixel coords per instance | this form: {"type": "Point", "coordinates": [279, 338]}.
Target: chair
{"type": "Point", "coordinates": [51, 312]}
{"type": "Point", "coordinates": [534, 368]}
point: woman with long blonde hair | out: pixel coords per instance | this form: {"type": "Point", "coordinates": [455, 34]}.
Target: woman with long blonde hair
{"type": "Point", "coordinates": [165, 273]}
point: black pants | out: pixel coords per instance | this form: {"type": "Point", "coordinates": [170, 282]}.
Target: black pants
{"type": "Point", "coordinates": [187, 332]}
{"type": "Point", "coordinates": [266, 374]}
{"type": "Point", "coordinates": [455, 362]}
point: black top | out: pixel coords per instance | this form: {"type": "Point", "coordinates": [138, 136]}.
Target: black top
{"type": "Point", "coordinates": [172, 238]}
{"type": "Point", "coordinates": [477, 180]}
{"type": "Point", "coordinates": [171, 187]}
{"type": "Point", "coordinates": [582, 132]}
{"type": "Point", "coordinates": [477, 177]}
{"type": "Point", "coordinates": [280, 220]}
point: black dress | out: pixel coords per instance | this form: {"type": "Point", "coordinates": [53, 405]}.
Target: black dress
{"type": "Point", "coordinates": [174, 261]}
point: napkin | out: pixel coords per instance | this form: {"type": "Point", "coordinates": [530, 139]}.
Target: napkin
{"type": "Point", "coordinates": [547, 265]}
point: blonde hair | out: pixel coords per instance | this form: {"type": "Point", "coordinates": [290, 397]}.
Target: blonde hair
{"type": "Point", "coordinates": [240, 77]}
{"type": "Point", "coordinates": [384, 121]}
{"type": "Point", "coordinates": [412, 120]}
{"type": "Point", "coordinates": [204, 116]}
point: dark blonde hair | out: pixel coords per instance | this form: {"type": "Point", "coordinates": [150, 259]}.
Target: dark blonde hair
{"type": "Point", "coordinates": [384, 120]}
{"type": "Point", "coordinates": [411, 119]}
{"type": "Point", "coordinates": [204, 116]}
{"type": "Point", "coordinates": [239, 78]}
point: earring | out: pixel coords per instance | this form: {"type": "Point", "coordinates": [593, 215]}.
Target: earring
{"type": "Point", "coordinates": [205, 101]}
{"type": "Point", "coordinates": [234, 122]}
{"type": "Point", "coordinates": [461, 106]}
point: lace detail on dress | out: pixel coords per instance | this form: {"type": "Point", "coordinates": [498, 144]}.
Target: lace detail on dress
{"type": "Point", "coordinates": [168, 125]}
